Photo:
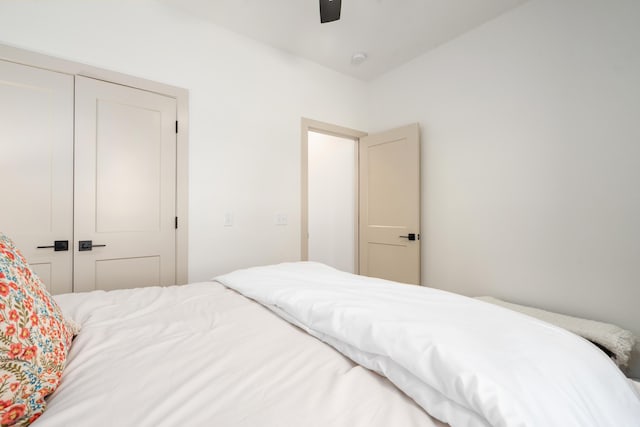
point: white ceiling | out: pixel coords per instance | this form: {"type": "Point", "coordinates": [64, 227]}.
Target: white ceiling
{"type": "Point", "coordinates": [391, 32]}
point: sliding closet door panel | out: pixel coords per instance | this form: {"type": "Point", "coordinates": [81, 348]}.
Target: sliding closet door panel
{"type": "Point", "coordinates": [125, 187]}
{"type": "Point", "coordinates": [36, 168]}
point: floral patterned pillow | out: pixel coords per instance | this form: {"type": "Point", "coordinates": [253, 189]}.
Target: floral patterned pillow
{"type": "Point", "coordinates": [34, 340]}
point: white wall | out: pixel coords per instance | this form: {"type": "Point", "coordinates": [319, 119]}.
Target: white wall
{"type": "Point", "coordinates": [531, 147]}
{"type": "Point", "coordinates": [246, 101]}
{"type": "Point", "coordinates": [332, 200]}
{"type": "Point", "coordinates": [531, 157]}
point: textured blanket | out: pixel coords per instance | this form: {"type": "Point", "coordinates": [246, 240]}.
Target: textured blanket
{"type": "Point", "coordinates": [618, 341]}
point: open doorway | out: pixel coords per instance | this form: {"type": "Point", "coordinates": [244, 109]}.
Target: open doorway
{"type": "Point", "coordinates": [330, 195]}
{"type": "Point", "coordinates": [366, 200]}
{"type": "Point", "coordinates": [332, 215]}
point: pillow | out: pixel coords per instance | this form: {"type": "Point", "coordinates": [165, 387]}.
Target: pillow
{"type": "Point", "coordinates": [34, 340]}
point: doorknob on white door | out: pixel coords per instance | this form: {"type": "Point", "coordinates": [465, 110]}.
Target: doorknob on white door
{"type": "Point", "coordinates": [87, 245]}
{"type": "Point", "coordinates": [58, 245]}
{"type": "Point", "coordinates": [411, 236]}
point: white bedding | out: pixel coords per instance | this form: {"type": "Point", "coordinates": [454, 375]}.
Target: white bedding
{"type": "Point", "coordinates": [467, 362]}
{"type": "Point", "coordinates": [203, 355]}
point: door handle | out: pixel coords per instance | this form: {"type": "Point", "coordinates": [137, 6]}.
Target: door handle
{"type": "Point", "coordinates": [87, 245]}
{"type": "Point", "coordinates": [58, 245]}
{"type": "Point", "coordinates": [411, 236]}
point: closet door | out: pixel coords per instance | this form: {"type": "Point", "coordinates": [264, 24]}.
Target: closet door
{"type": "Point", "coordinates": [36, 168]}
{"type": "Point", "coordinates": [125, 187]}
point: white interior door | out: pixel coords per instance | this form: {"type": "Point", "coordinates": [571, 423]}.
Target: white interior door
{"type": "Point", "coordinates": [390, 205]}
{"type": "Point", "coordinates": [125, 187]}
{"type": "Point", "coordinates": [36, 168]}
{"type": "Point", "coordinates": [332, 184]}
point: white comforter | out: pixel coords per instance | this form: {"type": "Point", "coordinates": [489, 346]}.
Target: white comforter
{"type": "Point", "coordinates": [466, 362]}
{"type": "Point", "coordinates": [202, 355]}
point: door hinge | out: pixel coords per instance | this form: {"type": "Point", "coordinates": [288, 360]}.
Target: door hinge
{"type": "Point", "coordinates": [176, 223]}
{"type": "Point", "coordinates": [176, 126]}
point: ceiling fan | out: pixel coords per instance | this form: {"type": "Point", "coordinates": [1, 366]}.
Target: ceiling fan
{"type": "Point", "coordinates": [329, 10]}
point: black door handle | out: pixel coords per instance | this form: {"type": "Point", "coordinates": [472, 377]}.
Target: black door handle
{"type": "Point", "coordinates": [58, 245]}
{"type": "Point", "coordinates": [411, 236]}
{"type": "Point", "coordinates": [87, 245]}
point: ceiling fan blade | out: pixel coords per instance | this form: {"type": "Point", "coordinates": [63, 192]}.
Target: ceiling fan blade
{"type": "Point", "coordinates": [330, 10]}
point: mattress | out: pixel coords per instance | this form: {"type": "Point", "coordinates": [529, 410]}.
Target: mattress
{"type": "Point", "coordinates": [203, 355]}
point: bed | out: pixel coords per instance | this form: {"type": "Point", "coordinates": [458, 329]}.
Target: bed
{"type": "Point", "coordinates": [303, 344]}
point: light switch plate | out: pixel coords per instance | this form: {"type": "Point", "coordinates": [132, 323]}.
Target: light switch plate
{"type": "Point", "coordinates": [281, 219]}
{"type": "Point", "coordinates": [228, 219]}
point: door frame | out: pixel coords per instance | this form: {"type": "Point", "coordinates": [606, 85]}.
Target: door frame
{"type": "Point", "coordinates": [181, 95]}
{"type": "Point", "coordinates": [308, 125]}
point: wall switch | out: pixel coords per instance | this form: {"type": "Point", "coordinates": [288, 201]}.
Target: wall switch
{"type": "Point", "coordinates": [228, 219]}
{"type": "Point", "coordinates": [281, 219]}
